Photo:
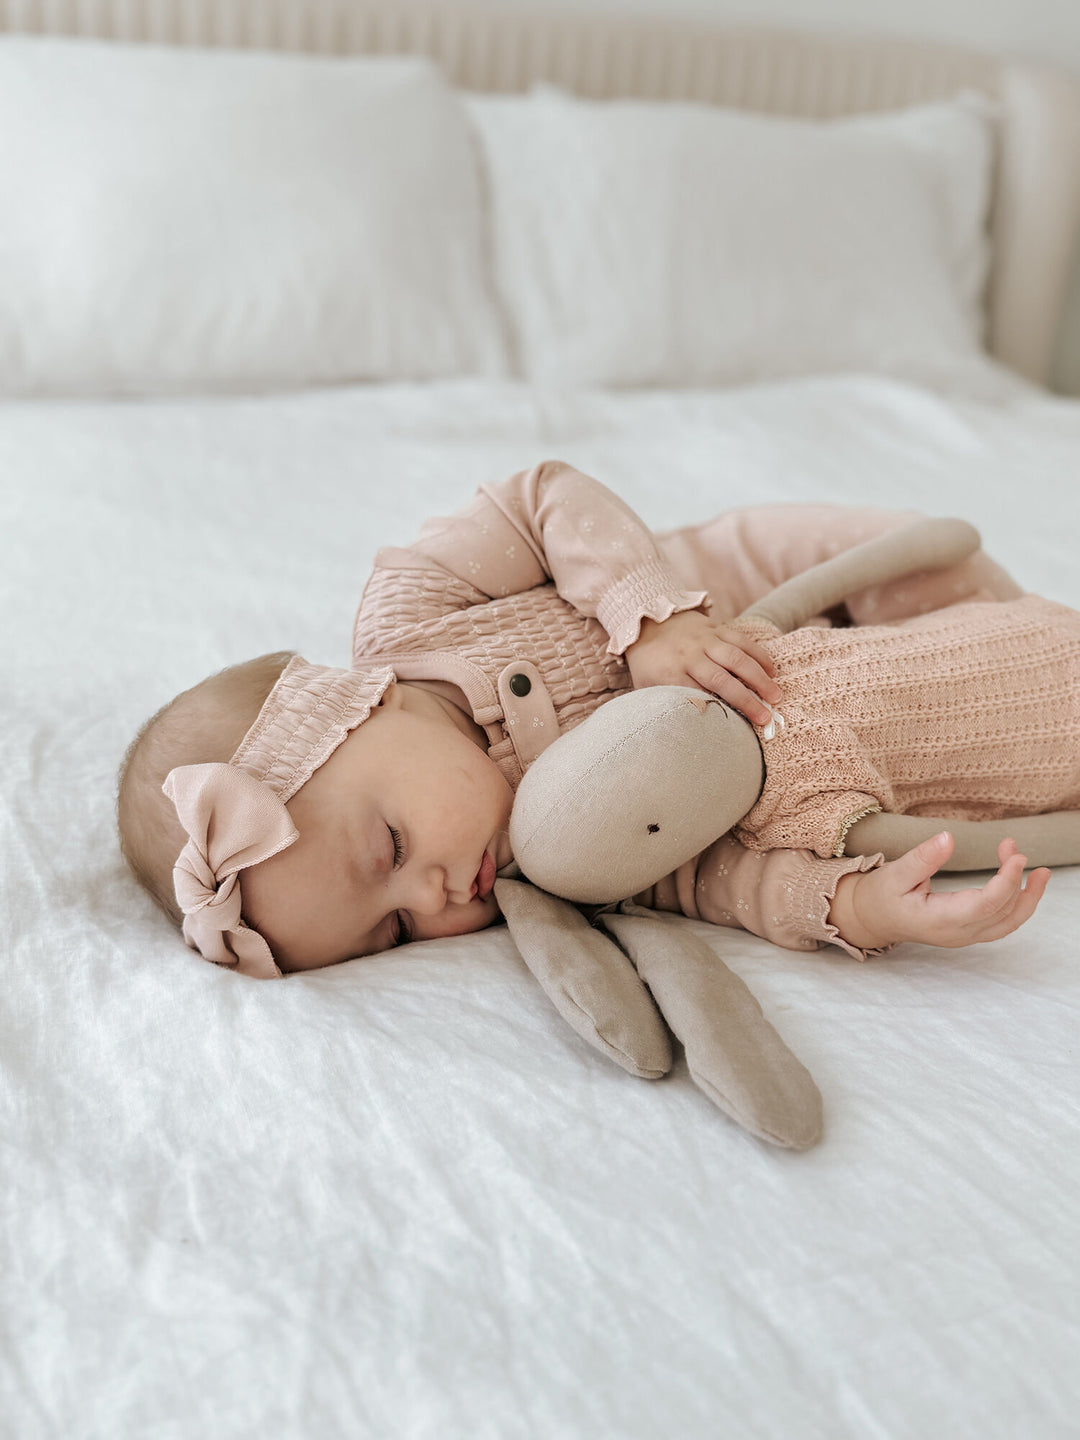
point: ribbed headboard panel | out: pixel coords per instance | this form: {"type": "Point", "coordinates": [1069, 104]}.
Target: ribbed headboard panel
{"type": "Point", "coordinates": [599, 56]}
{"type": "Point", "coordinates": [1037, 199]}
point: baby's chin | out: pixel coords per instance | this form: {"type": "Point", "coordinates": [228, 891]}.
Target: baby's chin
{"type": "Point", "coordinates": [477, 915]}
{"type": "Point", "coordinates": [490, 913]}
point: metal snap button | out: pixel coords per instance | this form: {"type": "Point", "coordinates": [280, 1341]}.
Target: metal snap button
{"type": "Point", "coordinates": [520, 685]}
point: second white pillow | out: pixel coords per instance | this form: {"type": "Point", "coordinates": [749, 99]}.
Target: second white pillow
{"type": "Point", "coordinates": [645, 243]}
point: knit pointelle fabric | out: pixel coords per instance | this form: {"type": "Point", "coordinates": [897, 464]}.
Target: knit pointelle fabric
{"type": "Point", "coordinates": [969, 713]}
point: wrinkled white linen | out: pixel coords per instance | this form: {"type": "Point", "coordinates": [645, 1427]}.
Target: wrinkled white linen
{"type": "Point", "coordinates": [400, 1198]}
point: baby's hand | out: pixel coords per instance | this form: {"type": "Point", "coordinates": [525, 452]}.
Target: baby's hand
{"type": "Point", "coordinates": [689, 649]}
{"type": "Point", "coordinates": [895, 903]}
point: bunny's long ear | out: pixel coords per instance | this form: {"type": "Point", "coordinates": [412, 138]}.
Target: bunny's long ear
{"type": "Point", "coordinates": [733, 1053]}
{"type": "Point", "coordinates": [588, 979]}
{"type": "Point", "coordinates": [930, 544]}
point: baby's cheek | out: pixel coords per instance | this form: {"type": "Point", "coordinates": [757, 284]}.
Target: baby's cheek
{"type": "Point", "coordinates": [461, 920]}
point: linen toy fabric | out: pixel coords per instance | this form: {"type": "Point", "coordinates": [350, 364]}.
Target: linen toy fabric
{"type": "Point", "coordinates": [624, 979]}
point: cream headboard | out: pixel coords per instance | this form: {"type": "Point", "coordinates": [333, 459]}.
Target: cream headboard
{"type": "Point", "coordinates": [1037, 198]}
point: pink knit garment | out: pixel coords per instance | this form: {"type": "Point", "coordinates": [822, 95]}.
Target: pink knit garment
{"type": "Point", "coordinates": [969, 713]}
{"type": "Point", "coordinates": [471, 643]}
{"type": "Point", "coordinates": [556, 569]}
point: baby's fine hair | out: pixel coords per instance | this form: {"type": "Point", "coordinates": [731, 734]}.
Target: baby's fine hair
{"type": "Point", "coordinates": [200, 726]}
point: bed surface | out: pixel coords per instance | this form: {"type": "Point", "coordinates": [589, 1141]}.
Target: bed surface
{"type": "Point", "coordinates": [400, 1198]}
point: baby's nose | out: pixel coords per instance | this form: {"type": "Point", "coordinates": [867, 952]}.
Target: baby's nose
{"type": "Point", "coordinates": [429, 895]}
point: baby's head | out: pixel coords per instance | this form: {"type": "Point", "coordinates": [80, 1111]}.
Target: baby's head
{"type": "Point", "coordinates": [313, 815]}
{"type": "Point", "coordinates": [202, 725]}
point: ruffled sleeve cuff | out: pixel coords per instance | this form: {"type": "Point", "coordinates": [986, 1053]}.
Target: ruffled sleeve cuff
{"type": "Point", "coordinates": [812, 893]}
{"type": "Point", "coordinates": [820, 823]}
{"type": "Point", "coordinates": [651, 590]}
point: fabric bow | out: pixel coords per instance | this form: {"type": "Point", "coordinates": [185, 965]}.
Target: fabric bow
{"type": "Point", "coordinates": [232, 821]}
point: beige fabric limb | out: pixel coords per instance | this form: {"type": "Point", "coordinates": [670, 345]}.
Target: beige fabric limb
{"type": "Point", "coordinates": [1051, 839]}
{"type": "Point", "coordinates": [923, 545]}
{"type": "Point", "coordinates": [587, 978]}
{"type": "Point", "coordinates": [734, 1054]}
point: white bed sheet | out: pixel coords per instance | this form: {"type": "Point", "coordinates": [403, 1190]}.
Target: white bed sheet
{"type": "Point", "coordinates": [400, 1198]}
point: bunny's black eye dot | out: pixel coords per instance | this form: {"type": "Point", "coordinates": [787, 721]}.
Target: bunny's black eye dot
{"type": "Point", "coordinates": [654, 829]}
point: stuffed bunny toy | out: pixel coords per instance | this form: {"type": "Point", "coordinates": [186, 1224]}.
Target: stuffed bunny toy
{"type": "Point", "coordinates": [648, 782]}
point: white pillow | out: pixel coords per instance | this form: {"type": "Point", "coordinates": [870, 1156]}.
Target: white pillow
{"type": "Point", "coordinates": [177, 219]}
{"type": "Point", "coordinates": [654, 243]}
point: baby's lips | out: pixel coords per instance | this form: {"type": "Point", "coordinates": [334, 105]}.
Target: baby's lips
{"type": "Point", "coordinates": [485, 877]}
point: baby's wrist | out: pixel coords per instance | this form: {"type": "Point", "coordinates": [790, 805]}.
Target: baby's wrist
{"type": "Point", "coordinates": [846, 913]}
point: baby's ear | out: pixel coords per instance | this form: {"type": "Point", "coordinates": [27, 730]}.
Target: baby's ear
{"type": "Point", "coordinates": [648, 781]}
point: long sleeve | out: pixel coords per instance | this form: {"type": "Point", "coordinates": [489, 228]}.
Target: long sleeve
{"type": "Point", "coordinates": [742, 554]}
{"type": "Point", "coordinates": [782, 895]}
{"type": "Point", "coordinates": [547, 524]}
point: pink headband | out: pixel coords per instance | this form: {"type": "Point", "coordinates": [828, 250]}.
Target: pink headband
{"type": "Point", "coordinates": [235, 814]}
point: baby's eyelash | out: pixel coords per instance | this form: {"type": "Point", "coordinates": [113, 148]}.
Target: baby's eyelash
{"type": "Point", "coordinates": [399, 846]}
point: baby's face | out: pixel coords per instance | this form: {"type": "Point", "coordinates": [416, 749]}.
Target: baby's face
{"type": "Point", "coordinates": [401, 831]}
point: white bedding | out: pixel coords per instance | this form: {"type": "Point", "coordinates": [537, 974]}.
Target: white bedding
{"type": "Point", "coordinates": [400, 1198]}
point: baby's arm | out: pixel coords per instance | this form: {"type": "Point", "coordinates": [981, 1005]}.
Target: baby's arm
{"type": "Point", "coordinates": [785, 896]}
{"type": "Point", "coordinates": [550, 523]}
{"type": "Point", "coordinates": [800, 901]}
{"type": "Point", "coordinates": [894, 902]}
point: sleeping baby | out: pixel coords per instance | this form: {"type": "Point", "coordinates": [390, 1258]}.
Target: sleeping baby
{"type": "Point", "coordinates": [290, 816]}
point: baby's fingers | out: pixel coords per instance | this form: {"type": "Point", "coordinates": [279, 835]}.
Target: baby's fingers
{"type": "Point", "coordinates": [1000, 907]}
{"type": "Point", "coordinates": [960, 917]}
{"type": "Point", "coordinates": [1000, 891]}
{"type": "Point", "coordinates": [731, 690]}
{"type": "Point", "coordinates": [1006, 848]}
{"type": "Point", "coordinates": [1022, 908]}
{"type": "Point", "coordinates": [745, 646]}
{"type": "Point", "coordinates": [737, 678]}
